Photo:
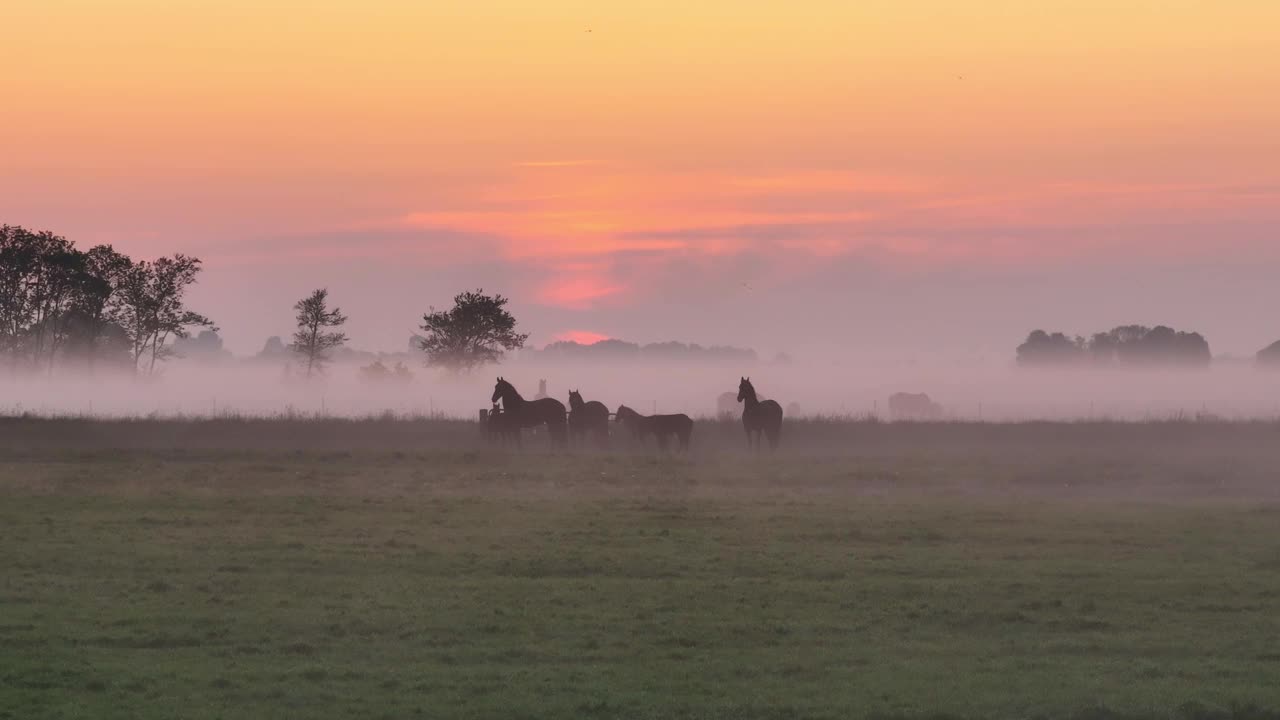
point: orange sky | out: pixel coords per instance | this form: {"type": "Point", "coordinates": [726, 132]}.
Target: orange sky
{"type": "Point", "coordinates": [589, 153]}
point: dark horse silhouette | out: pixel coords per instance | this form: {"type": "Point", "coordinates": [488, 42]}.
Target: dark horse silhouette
{"type": "Point", "coordinates": [659, 426]}
{"type": "Point", "coordinates": [501, 428]}
{"type": "Point", "coordinates": [759, 416]}
{"type": "Point", "coordinates": [588, 418]}
{"type": "Point", "coordinates": [521, 413]}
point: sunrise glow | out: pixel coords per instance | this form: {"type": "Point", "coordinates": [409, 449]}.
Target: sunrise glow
{"type": "Point", "coordinates": [593, 149]}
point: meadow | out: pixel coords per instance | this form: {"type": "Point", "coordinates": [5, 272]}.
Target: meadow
{"type": "Point", "coordinates": [399, 567]}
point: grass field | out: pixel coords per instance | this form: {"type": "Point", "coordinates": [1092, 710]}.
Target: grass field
{"type": "Point", "coordinates": [156, 569]}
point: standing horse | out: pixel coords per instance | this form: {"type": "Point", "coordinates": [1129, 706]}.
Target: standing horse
{"type": "Point", "coordinates": [659, 426]}
{"type": "Point", "coordinates": [521, 413]}
{"type": "Point", "coordinates": [759, 416]}
{"type": "Point", "coordinates": [588, 418]}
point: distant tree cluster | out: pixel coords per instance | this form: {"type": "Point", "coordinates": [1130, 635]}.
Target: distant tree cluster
{"type": "Point", "coordinates": [378, 373]}
{"type": "Point", "coordinates": [1127, 345]}
{"type": "Point", "coordinates": [1269, 356]}
{"type": "Point", "coordinates": [97, 306]}
{"type": "Point", "coordinates": [205, 347]}
{"type": "Point", "coordinates": [621, 350]}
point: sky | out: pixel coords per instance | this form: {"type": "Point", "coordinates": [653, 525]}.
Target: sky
{"type": "Point", "coordinates": [888, 177]}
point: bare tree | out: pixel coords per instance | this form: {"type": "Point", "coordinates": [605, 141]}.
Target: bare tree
{"type": "Point", "coordinates": [153, 309]}
{"type": "Point", "coordinates": [311, 341]}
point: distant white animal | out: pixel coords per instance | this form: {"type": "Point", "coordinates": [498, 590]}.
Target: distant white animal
{"type": "Point", "coordinates": [913, 406]}
{"type": "Point", "coordinates": [727, 404]}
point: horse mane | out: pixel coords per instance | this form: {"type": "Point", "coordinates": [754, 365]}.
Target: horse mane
{"type": "Point", "coordinates": [512, 388]}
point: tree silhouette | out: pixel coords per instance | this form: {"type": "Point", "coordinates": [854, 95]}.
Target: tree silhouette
{"type": "Point", "coordinates": [477, 330]}
{"type": "Point", "coordinates": [40, 273]}
{"type": "Point", "coordinates": [153, 307]}
{"type": "Point", "coordinates": [1126, 345]}
{"type": "Point", "coordinates": [97, 307]}
{"type": "Point", "coordinates": [1042, 348]}
{"type": "Point", "coordinates": [60, 302]}
{"type": "Point", "coordinates": [311, 341]}
{"type": "Point", "coordinates": [1269, 356]}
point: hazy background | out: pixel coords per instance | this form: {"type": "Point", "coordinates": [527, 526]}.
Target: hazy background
{"type": "Point", "coordinates": [864, 185]}
{"type": "Point", "coordinates": [967, 391]}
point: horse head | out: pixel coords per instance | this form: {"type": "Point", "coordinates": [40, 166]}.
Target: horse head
{"type": "Point", "coordinates": [623, 413]}
{"type": "Point", "coordinates": [745, 390]}
{"type": "Point", "coordinates": [502, 389]}
{"type": "Point", "coordinates": [575, 399]}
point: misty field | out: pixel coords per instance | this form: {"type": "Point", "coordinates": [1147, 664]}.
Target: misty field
{"type": "Point", "coordinates": [395, 568]}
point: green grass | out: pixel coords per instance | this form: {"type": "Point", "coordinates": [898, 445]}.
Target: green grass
{"type": "Point", "coordinates": [161, 583]}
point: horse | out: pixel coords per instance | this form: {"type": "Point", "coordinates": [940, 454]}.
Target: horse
{"type": "Point", "coordinates": [759, 416]}
{"type": "Point", "coordinates": [521, 413]}
{"type": "Point", "coordinates": [501, 427]}
{"type": "Point", "coordinates": [659, 426]}
{"type": "Point", "coordinates": [588, 418]}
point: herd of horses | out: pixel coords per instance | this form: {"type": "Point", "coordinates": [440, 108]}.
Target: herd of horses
{"type": "Point", "coordinates": [588, 421]}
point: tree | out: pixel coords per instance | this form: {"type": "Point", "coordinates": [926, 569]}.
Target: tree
{"type": "Point", "coordinates": [1126, 345]}
{"type": "Point", "coordinates": [97, 307]}
{"type": "Point", "coordinates": [311, 341]}
{"type": "Point", "coordinates": [1042, 348]}
{"type": "Point", "coordinates": [153, 308]}
{"type": "Point", "coordinates": [474, 332]}
{"type": "Point", "coordinates": [39, 274]}
{"type": "Point", "coordinates": [1269, 356]}
{"type": "Point", "coordinates": [17, 263]}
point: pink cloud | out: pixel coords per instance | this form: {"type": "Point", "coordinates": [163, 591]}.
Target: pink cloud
{"type": "Point", "coordinates": [577, 292]}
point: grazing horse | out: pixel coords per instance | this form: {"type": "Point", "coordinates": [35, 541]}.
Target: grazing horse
{"type": "Point", "coordinates": [759, 416]}
{"type": "Point", "coordinates": [659, 426]}
{"type": "Point", "coordinates": [588, 418]}
{"type": "Point", "coordinates": [521, 413]}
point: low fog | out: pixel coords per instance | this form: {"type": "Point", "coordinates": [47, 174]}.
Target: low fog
{"type": "Point", "coordinates": [965, 390]}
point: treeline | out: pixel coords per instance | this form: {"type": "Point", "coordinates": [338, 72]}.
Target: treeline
{"type": "Point", "coordinates": [94, 307]}
{"type": "Point", "coordinates": [621, 350]}
{"type": "Point", "coordinates": [1127, 345]}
